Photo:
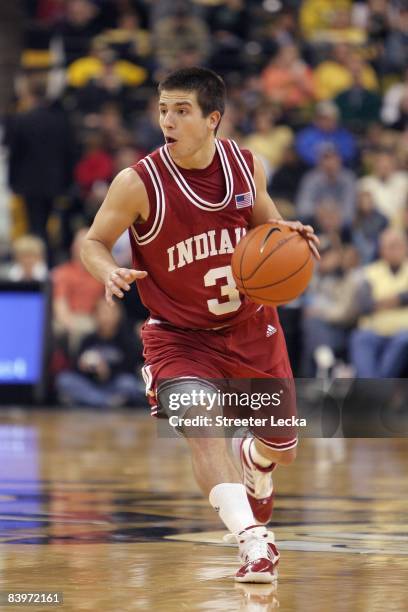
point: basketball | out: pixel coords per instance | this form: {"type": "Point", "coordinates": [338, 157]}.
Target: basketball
{"type": "Point", "coordinates": [272, 264]}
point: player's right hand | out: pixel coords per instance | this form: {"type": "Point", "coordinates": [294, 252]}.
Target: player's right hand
{"type": "Point", "coordinates": [119, 280]}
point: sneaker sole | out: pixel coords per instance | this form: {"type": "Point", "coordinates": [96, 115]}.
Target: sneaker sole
{"type": "Point", "coordinates": [258, 577]}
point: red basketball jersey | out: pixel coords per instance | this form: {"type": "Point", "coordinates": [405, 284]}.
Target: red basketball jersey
{"type": "Point", "coordinates": [196, 219]}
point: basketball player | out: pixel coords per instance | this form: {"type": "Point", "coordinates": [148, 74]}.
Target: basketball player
{"type": "Point", "coordinates": [186, 206]}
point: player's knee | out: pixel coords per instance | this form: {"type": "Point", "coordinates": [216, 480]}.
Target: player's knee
{"type": "Point", "coordinates": [203, 448]}
{"type": "Point", "coordinates": [287, 457]}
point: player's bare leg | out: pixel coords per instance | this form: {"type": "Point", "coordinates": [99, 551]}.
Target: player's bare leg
{"type": "Point", "coordinates": [219, 480]}
{"type": "Point", "coordinates": [274, 456]}
{"type": "Point", "coordinates": [211, 462]}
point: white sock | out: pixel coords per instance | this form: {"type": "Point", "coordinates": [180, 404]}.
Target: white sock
{"type": "Point", "coordinates": [252, 455]}
{"type": "Point", "coordinates": [230, 500]}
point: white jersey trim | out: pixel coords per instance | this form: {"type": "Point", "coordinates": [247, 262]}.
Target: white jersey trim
{"type": "Point", "coordinates": [160, 204]}
{"type": "Point", "coordinates": [186, 189]}
{"type": "Point", "coordinates": [244, 167]}
{"type": "Point", "coordinates": [280, 446]}
{"type": "Point", "coordinates": [148, 378]}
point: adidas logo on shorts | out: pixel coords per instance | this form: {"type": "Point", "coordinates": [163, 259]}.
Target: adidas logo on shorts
{"type": "Point", "coordinates": [270, 330]}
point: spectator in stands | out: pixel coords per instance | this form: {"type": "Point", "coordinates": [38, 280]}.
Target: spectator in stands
{"type": "Point", "coordinates": [103, 65]}
{"type": "Point", "coordinates": [394, 59]}
{"type": "Point", "coordinates": [96, 173]}
{"type": "Point", "coordinates": [283, 28]}
{"type": "Point", "coordinates": [48, 11]}
{"type": "Point", "coordinates": [230, 124]}
{"type": "Point", "coordinates": [98, 165]}
{"type": "Point", "coordinates": [180, 33]}
{"type": "Point", "coordinates": [391, 106]}
{"type": "Point", "coordinates": [329, 22]}
{"type": "Point", "coordinates": [147, 133]}
{"type": "Point", "coordinates": [267, 140]}
{"type": "Point", "coordinates": [329, 222]}
{"type": "Point", "coordinates": [130, 41]}
{"type": "Point", "coordinates": [114, 130]}
{"type": "Point", "coordinates": [126, 156]}
{"type": "Point", "coordinates": [29, 260]}
{"type": "Point", "coordinates": [379, 347]}
{"type": "Point", "coordinates": [76, 293]}
{"type": "Point", "coordinates": [318, 15]}
{"type": "Point", "coordinates": [229, 18]}
{"type": "Point", "coordinates": [388, 186]}
{"type": "Point", "coordinates": [41, 155]}
{"type": "Point", "coordinates": [333, 76]}
{"type": "Point", "coordinates": [328, 180]}
{"type": "Point", "coordinates": [368, 224]}
{"type": "Point", "coordinates": [287, 79]}
{"type": "Point", "coordinates": [401, 123]}
{"type": "Point", "coordinates": [93, 200]}
{"type": "Point", "coordinates": [325, 129]}
{"type": "Point", "coordinates": [287, 177]}
{"type": "Point", "coordinates": [377, 138]}
{"type": "Point", "coordinates": [101, 77]}
{"type": "Point", "coordinates": [373, 16]}
{"type": "Point", "coordinates": [78, 27]}
{"type": "Point", "coordinates": [401, 148]}
{"type": "Point", "coordinates": [95, 164]}
{"type": "Point", "coordinates": [331, 306]}
{"type": "Point", "coordinates": [105, 366]}
{"type": "Point", "coordinates": [358, 106]}
{"type": "Point", "coordinates": [405, 220]}
{"type": "Point", "coordinates": [229, 23]}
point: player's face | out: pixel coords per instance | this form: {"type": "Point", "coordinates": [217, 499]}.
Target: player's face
{"type": "Point", "coordinates": [185, 128]}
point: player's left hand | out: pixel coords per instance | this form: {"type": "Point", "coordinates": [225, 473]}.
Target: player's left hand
{"type": "Point", "coordinates": [306, 231]}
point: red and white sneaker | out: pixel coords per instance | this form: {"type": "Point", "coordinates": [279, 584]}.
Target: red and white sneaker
{"type": "Point", "coordinates": [257, 479]}
{"type": "Point", "coordinates": [259, 555]}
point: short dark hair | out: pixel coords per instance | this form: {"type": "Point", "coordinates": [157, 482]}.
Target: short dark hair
{"type": "Point", "coordinates": [208, 85]}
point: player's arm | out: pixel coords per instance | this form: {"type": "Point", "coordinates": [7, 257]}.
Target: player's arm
{"type": "Point", "coordinates": [265, 210]}
{"type": "Point", "coordinates": [125, 202]}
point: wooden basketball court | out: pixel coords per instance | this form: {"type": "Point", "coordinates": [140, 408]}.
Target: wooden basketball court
{"type": "Point", "coordinates": [95, 506]}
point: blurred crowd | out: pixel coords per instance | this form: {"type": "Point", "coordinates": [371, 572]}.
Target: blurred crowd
{"type": "Point", "coordinates": [318, 89]}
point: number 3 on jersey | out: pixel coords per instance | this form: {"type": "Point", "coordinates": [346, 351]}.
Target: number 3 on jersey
{"type": "Point", "coordinates": [229, 290]}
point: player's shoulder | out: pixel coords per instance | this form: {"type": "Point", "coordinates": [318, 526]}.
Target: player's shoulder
{"type": "Point", "coordinates": [150, 162]}
{"type": "Point", "coordinates": [128, 186]}
{"type": "Point", "coordinates": [126, 179]}
{"type": "Point", "coordinates": [247, 154]}
{"type": "Point", "coordinates": [230, 142]}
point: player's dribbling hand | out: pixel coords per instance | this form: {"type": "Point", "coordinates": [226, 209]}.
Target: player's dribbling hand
{"type": "Point", "coordinates": [119, 280]}
{"type": "Point", "coordinates": [306, 231]}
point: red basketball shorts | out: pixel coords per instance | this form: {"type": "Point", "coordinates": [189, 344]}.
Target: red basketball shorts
{"type": "Point", "coordinates": [252, 349]}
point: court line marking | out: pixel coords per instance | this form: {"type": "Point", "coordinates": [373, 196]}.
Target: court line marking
{"type": "Point", "coordinates": [348, 543]}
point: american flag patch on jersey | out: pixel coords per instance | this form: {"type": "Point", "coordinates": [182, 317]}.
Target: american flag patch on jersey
{"type": "Point", "coordinates": [243, 200]}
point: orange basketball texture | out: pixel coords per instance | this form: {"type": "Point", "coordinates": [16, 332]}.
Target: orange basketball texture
{"type": "Point", "coordinates": [272, 264]}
